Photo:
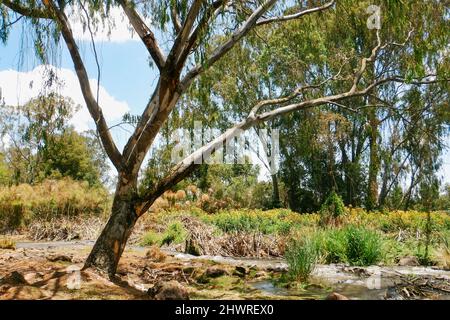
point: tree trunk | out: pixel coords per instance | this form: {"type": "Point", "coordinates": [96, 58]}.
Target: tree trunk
{"type": "Point", "coordinates": [109, 247]}
{"type": "Point", "coordinates": [374, 166]}
{"type": "Point", "coordinates": [276, 203]}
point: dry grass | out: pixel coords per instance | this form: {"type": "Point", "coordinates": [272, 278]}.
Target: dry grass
{"type": "Point", "coordinates": [66, 229]}
{"type": "Point", "coordinates": [244, 244]}
{"type": "Point", "coordinates": [6, 243]}
{"type": "Point", "coordinates": [155, 254]}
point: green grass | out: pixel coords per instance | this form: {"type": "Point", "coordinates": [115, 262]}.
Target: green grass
{"type": "Point", "coordinates": [363, 246]}
{"type": "Point", "coordinates": [301, 257]}
{"type": "Point", "coordinates": [174, 234]}
{"type": "Point", "coordinates": [151, 238]}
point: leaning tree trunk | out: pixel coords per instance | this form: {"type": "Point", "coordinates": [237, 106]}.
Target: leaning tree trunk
{"type": "Point", "coordinates": [109, 247]}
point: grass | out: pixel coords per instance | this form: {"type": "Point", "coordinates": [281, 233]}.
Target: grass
{"type": "Point", "coordinates": [19, 205]}
{"type": "Point", "coordinates": [301, 257]}
{"type": "Point", "coordinates": [363, 247]}
{"type": "Point", "coordinates": [175, 233]}
{"type": "Point", "coordinates": [6, 243]}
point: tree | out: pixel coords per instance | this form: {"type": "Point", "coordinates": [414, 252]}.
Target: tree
{"type": "Point", "coordinates": [42, 144]}
{"type": "Point", "coordinates": [193, 24]}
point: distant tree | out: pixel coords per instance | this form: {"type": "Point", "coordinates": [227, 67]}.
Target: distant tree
{"type": "Point", "coordinates": [42, 144]}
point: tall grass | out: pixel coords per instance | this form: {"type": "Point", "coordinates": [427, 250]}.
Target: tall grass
{"type": "Point", "coordinates": [50, 199]}
{"type": "Point", "coordinates": [301, 257]}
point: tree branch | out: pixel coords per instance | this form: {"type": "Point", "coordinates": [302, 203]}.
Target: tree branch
{"type": "Point", "coordinates": [94, 109]}
{"type": "Point", "coordinates": [37, 13]}
{"type": "Point", "coordinates": [144, 32]}
{"type": "Point", "coordinates": [295, 15]}
{"type": "Point", "coordinates": [249, 24]}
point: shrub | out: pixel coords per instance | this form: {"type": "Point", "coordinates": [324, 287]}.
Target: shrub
{"type": "Point", "coordinates": [335, 246]}
{"type": "Point", "coordinates": [6, 243]}
{"type": "Point", "coordinates": [301, 256]}
{"type": "Point", "coordinates": [363, 247]}
{"type": "Point", "coordinates": [151, 238]}
{"type": "Point", "coordinates": [52, 198]}
{"type": "Point", "coordinates": [332, 210]}
{"type": "Point", "coordinates": [175, 233]}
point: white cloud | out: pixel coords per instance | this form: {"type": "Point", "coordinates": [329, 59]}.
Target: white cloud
{"type": "Point", "coordinates": [118, 31]}
{"type": "Point", "coordinates": [18, 88]}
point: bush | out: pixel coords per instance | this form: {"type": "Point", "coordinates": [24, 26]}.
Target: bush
{"type": "Point", "coordinates": [332, 210]}
{"type": "Point", "coordinates": [266, 222]}
{"type": "Point", "coordinates": [175, 233]}
{"type": "Point", "coordinates": [301, 257]}
{"type": "Point", "coordinates": [52, 198]}
{"type": "Point", "coordinates": [6, 243]}
{"type": "Point", "coordinates": [352, 244]}
{"type": "Point", "coordinates": [363, 247]}
{"type": "Point", "coordinates": [151, 238]}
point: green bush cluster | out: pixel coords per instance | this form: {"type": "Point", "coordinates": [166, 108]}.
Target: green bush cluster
{"type": "Point", "coordinates": [175, 233]}
{"type": "Point", "coordinates": [266, 222]}
{"type": "Point", "coordinates": [332, 210]}
{"type": "Point", "coordinates": [352, 244]}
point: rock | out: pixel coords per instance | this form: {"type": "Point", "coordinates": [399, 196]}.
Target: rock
{"type": "Point", "coordinates": [215, 272]}
{"type": "Point", "coordinates": [59, 258]}
{"type": "Point", "coordinates": [392, 294]}
{"type": "Point", "coordinates": [25, 293]}
{"type": "Point", "coordinates": [171, 290]}
{"type": "Point", "coordinates": [336, 296]}
{"type": "Point", "coordinates": [260, 274]}
{"type": "Point", "coordinates": [14, 279]}
{"type": "Point", "coordinates": [240, 271]}
{"type": "Point", "coordinates": [34, 277]}
{"type": "Point", "coordinates": [409, 261]}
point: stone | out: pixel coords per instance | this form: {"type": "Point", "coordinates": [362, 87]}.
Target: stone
{"type": "Point", "coordinates": [14, 279]}
{"type": "Point", "coordinates": [25, 293]}
{"type": "Point", "coordinates": [240, 271]}
{"type": "Point", "coordinates": [215, 272]}
{"type": "Point", "coordinates": [336, 296]}
{"type": "Point", "coordinates": [171, 290]}
{"type": "Point", "coordinates": [59, 257]}
{"type": "Point", "coordinates": [409, 261]}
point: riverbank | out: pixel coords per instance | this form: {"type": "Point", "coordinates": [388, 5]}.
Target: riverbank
{"type": "Point", "coordinates": [50, 270]}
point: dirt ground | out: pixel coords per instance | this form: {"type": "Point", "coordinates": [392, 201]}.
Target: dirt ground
{"type": "Point", "coordinates": [46, 271]}
{"type": "Point", "coordinates": [54, 273]}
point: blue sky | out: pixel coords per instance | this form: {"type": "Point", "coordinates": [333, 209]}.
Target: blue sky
{"type": "Point", "coordinates": [127, 80]}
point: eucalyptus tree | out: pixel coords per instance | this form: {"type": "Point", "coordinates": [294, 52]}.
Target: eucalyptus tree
{"type": "Point", "coordinates": [193, 24]}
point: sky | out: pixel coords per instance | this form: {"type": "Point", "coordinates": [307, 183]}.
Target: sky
{"type": "Point", "coordinates": [126, 81]}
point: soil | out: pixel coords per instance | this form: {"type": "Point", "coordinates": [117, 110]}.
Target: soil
{"type": "Point", "coordinates": [52, 270]}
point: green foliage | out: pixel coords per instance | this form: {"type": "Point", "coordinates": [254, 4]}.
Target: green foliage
{"type": "Point", "coordinates": [266, 222]}
{"type": "Point", "coordinates": [68, 155]}
{"type": "Point", "coordinates": [363, 247]}
{"type": "Point", "coordinates": [175, 233]}
{"type": "Point", "coordinates": [151, 238]}
{"type": "Point", "coordinates": [45, 146]}
{"type": "Point", "coordinates": [351, 244]}
{"type": "Point", "coordinates": [5, 173]}
{"type": "Point", "coordinates": [332, 209]}
{"type": "Point", "coordinates": [301, 257]}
